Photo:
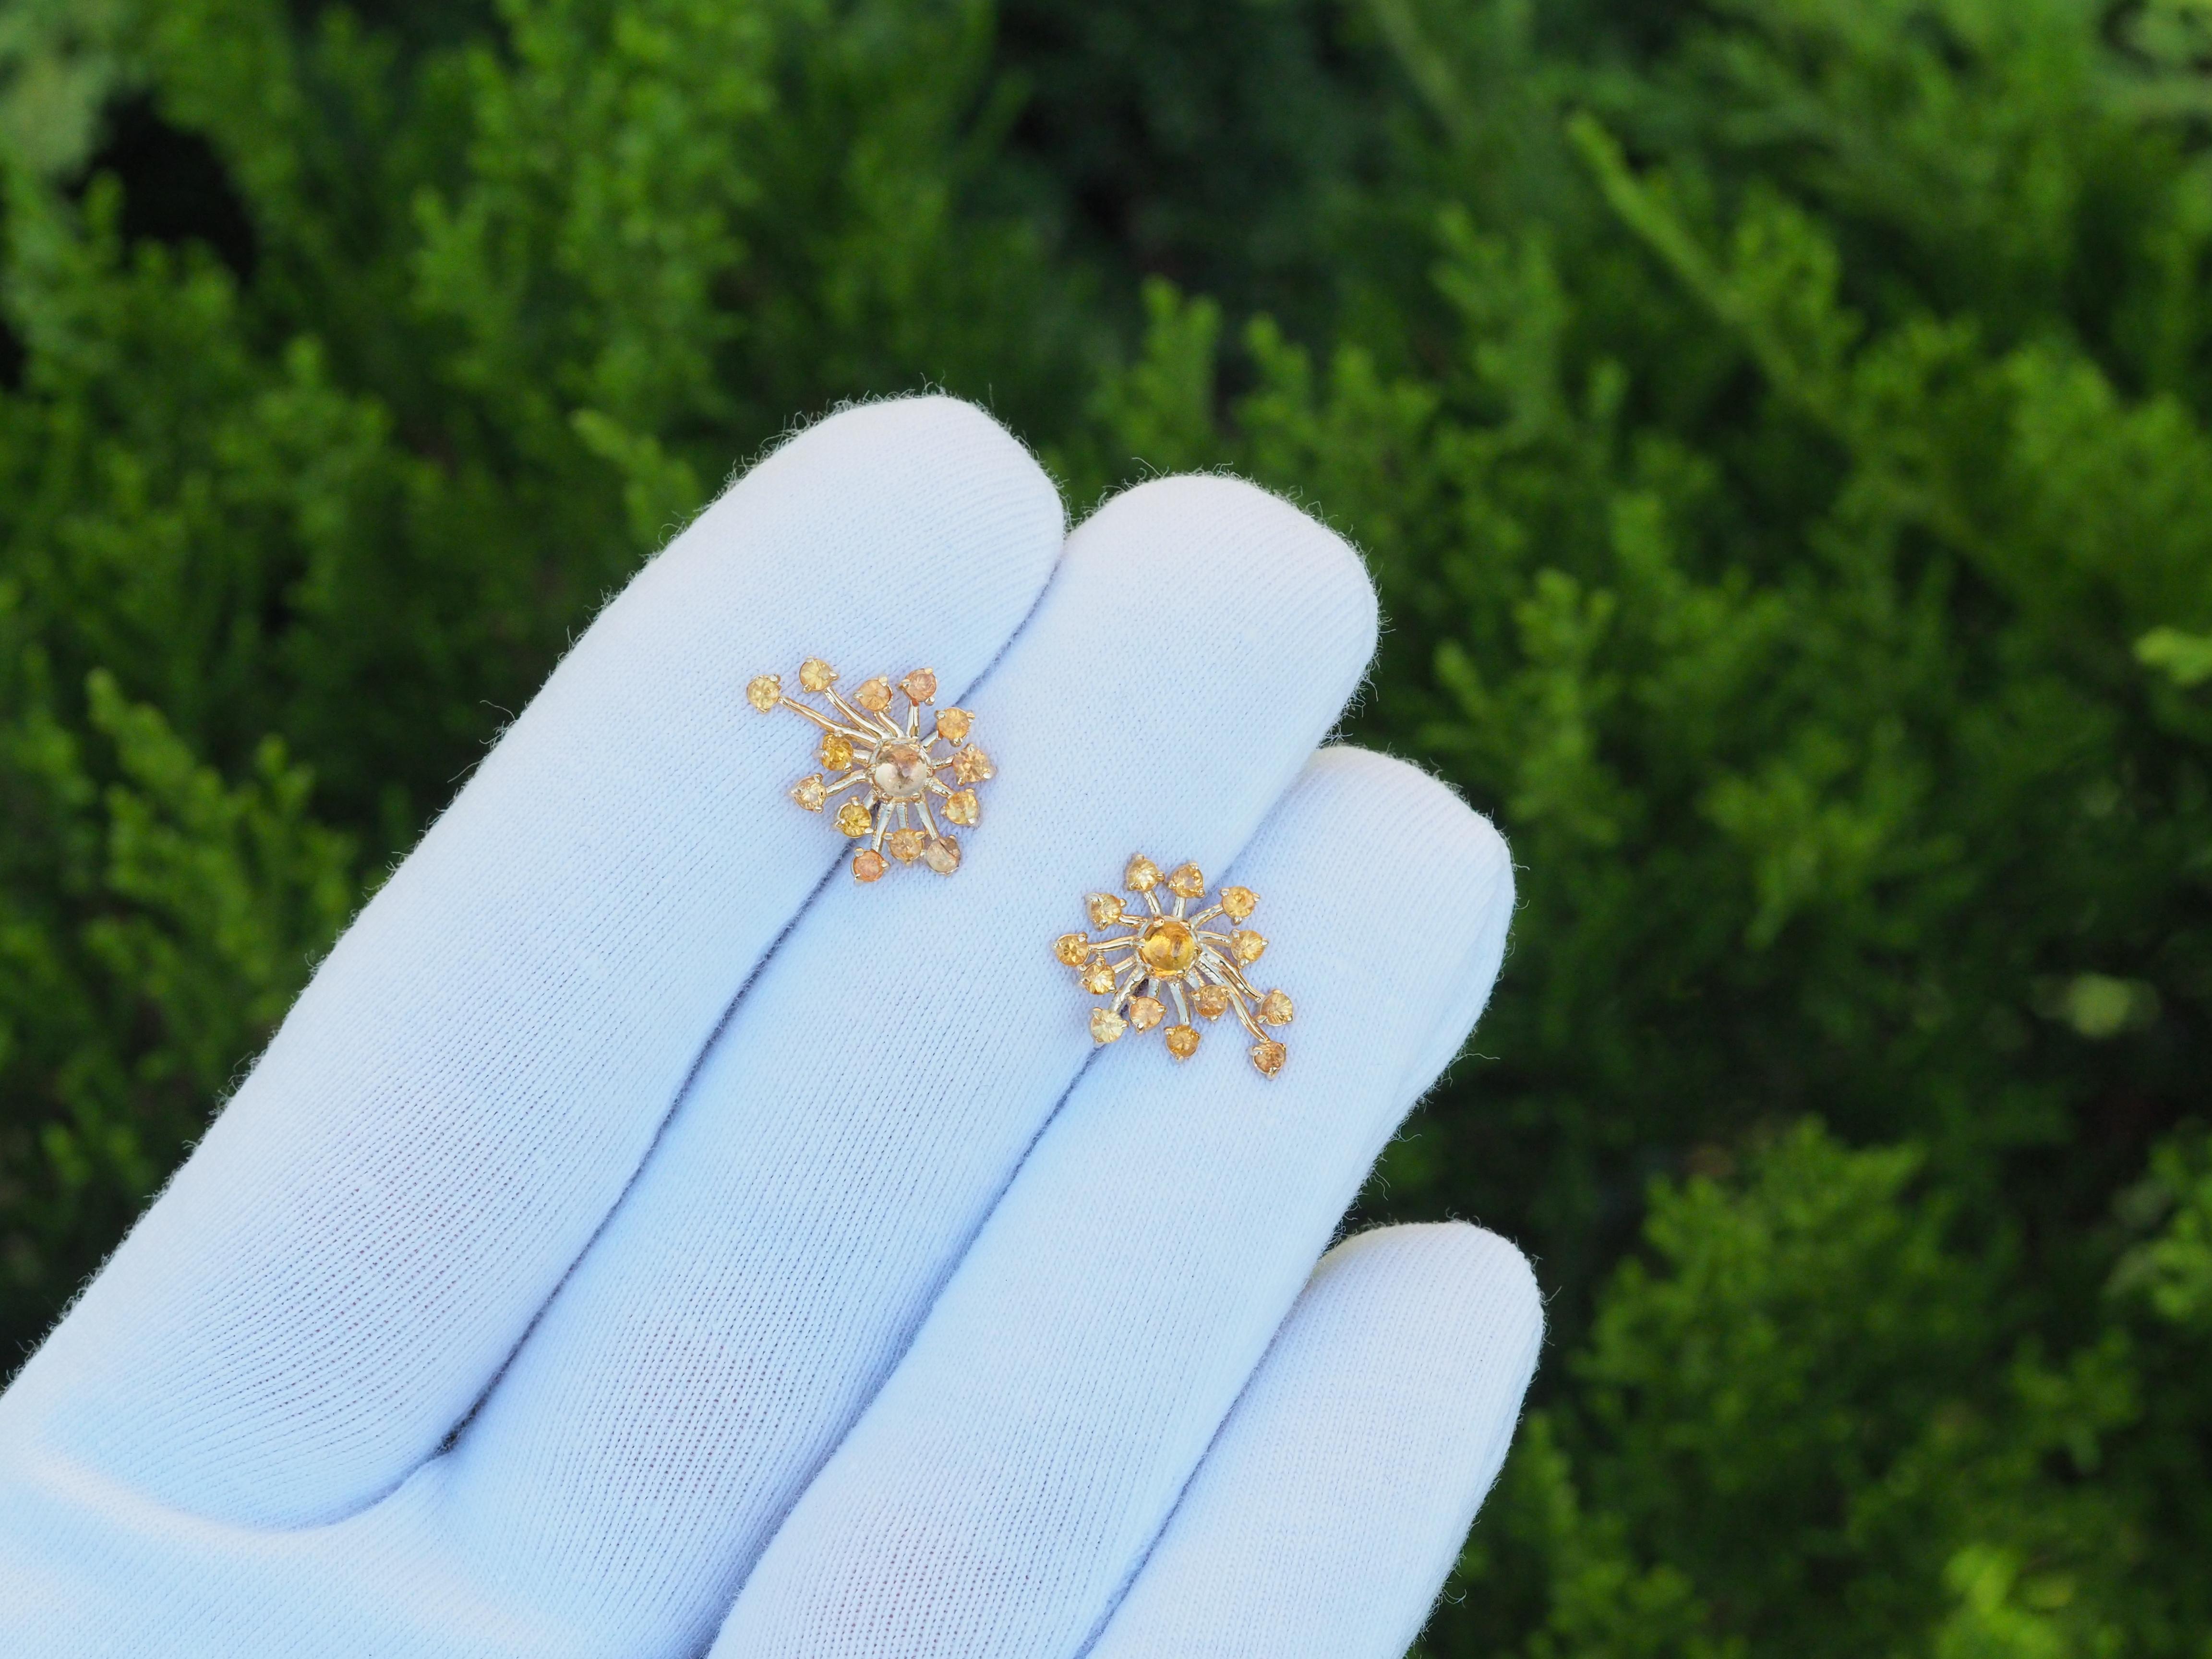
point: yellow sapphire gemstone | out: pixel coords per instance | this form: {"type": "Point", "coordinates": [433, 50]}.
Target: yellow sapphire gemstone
{"type": "Point", "coordinates": [1168, 946]}
{"type": "Point", "coordinates": [901, 771]}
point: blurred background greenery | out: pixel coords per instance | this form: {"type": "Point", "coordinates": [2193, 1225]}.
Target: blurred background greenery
{"type": "Point", "coordinates": [1779, 431]}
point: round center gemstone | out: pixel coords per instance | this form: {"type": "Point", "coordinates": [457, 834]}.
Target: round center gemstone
{"type": "Point", "coordinates": [900, 771]}
{"type": "Point", "coordinates": [1168, 946]}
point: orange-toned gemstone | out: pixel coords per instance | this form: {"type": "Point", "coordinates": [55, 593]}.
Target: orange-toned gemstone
{"type": "Point", "coordinates": [837, 753]}
{"type": "Point", "coordinates": [765, 691]}
{"type": "Point", "coordinates": [1073, 949]}
{"type": "Point", "coordinates": [874, 695]}
{"type": "Point", "coordinates": [941, 853]}
{"type": "Point", "coordinates": [1142, 875]}
{"type": "Point", "coordinates": [817, 675]}
{"type": "Point", "coordinates": [1182, 1040]}
{"type": "Point", "coordinates": [869, 865]}
{"type": "Point", "coordinates": [853, 818]}
{"type": "Point", "coordinates": [1106, 1025]}
{"type": "Point", "coordinates": [1145, 1012]}
{"type": "Point", "coordinates": [1105, 909]}
{"type": "Point", "coordinates": [921, 686]}
{"type": "Point", "coordinates": [904, 845]}
{"type": "Point", "coordinates": [1239, 902]}
{"type": "Point", "coordinates": [1247, 944]}
{"type": "Point", "coordinates": [1212, 1001]}
{"type": "Point", "coordinates": [962, 806]}
{"type": "Point", "coordinates": [1167, 945]}
{"type": "Point", "coordinates": [1185, 882]}
{"type": "Point", "coordinates": [1098, 979]}
{"type": "Point", "coordinates": [809, 793]}
{"type": "Point", "coordinates": [1275, 1008]}
{"type": "Point", "coordinates": [1268, 1057]}
{"type": "Point", "coordinates": [953, 724]}
{"type": "Point", "coordinates": [972, 765]}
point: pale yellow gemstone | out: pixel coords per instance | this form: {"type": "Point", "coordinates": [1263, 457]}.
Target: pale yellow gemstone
{"type": "Point", "coordinates": [1239, 902]}
{"type": "Point", "coordinates": [874, 695]}
{"type": "Point", "coordinates": [1275, 1008]}
{"type": "Point", "coordinates": [972, 765]}
{"type": "Point", "coordinates": [962, 806]}
{"type": "Point", "coordinates": [1098, 979]}
{"type": "Point", "coordinates": [837, 753]}
{"type": "Point", "coordinates": [1105, 909]}
{"type": "Point", "coordinates": [1185, 882]}
{"type": "Point", "coordinates": [809, 793]}
{"type": "Point", "coordinates": [953, 724]}
{"type": "Point", "coordinates": [869, 865]}
{"type": "Point", "coordinates": [1268, 1057]}
{"type": "Point", "coordinates": [1247, 944]}
{"type": "Point", "coordinates": [1212, 1001]}
{"type": "Point", "coordinates": [901, 772]}
{"type": "Point", "coordinates": [853, 818]}
{"type": "Point", "coordinates": [765, 691]}
{"type": "Point", "coordinates": [921, 686]}
{"type": "Point", "coordinates": [1106, 1025]}
{"type": "Point", "coordinates": [817, 675]}
{"type": "Point", "coordinates": [904, 845]}
{"type": "Point", "coordinates": [1073, 949]}
{"type": "Point", "coordinates": [1142, 875]}
{"type": "Point", "coordinates": [942, 855]}
{"type": "Point", "coordinates": [1145, 1012]}
{"type": "Point", "coordinates": [1168, 946]}
{"type": "Point", "coordinates": [1182, 1040]}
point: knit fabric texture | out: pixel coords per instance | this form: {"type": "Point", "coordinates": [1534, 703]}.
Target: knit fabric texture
{"type": "Point", "coordinates": [641, 1239]}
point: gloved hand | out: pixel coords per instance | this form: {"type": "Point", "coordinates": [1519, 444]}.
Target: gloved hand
{"type": "Point", "coordinates": [641, 1239]}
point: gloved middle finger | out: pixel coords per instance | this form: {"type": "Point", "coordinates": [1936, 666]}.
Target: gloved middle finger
{"type": "Point", "coordinates": [876, 1087]}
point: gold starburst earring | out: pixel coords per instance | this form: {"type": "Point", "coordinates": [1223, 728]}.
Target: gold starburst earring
{"type": "Point", "coordinates": [1171, 950]}
{"type": "Point", "coordinates": [895, 767]}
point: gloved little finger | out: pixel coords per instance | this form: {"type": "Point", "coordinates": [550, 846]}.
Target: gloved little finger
{"type": "Point", "coordinates": [1329, 1510]}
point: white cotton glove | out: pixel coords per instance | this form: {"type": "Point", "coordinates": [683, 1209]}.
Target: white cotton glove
{"type": "Point", "coordinates": [641, 1240]}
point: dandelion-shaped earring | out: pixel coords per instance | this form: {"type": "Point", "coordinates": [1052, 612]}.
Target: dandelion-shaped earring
{"type": "Point", "coordinates": [893, 766]}
{"type": "Point", "coordinates": [1171, 952]}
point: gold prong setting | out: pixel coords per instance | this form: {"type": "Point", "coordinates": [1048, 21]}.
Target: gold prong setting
{"type": "Point", "coordinates": [901, 795]}
{"type": "Point", "coordinates": [1161, 958]}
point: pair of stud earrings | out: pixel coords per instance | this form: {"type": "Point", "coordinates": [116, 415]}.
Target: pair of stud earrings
{"type": "Point", "coordinates": [901, 793]}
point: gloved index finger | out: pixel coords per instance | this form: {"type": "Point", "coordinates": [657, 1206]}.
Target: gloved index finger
{"type": "Point", "coordinates": [474, 1074]}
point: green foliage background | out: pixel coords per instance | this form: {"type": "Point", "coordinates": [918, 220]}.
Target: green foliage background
{"type": "Point", "coordinates": [1780, 432]}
